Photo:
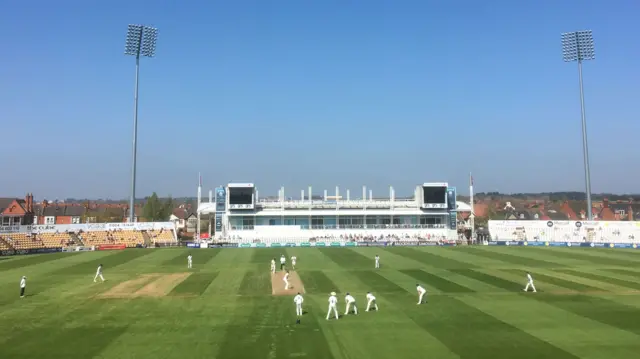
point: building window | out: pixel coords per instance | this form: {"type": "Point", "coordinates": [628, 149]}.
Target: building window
{"type": "Point", "coordinates": [35, 219]}
{"type": "Point", "coordinates": [621, 212]}
{"type": "Point", "coordinates": [272, 222]}
{"type": "Point", "coordinates": [75, 220]}
{"type": "Point", "coordinates": [49, 220]}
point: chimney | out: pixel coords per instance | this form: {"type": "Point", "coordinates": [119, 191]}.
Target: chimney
{"type": "Point", "coordinates": [45, 203]}
{"type": "Point", "coordinates": [630, 210]}
{"type": "Point", "coordinates": [605, 202]}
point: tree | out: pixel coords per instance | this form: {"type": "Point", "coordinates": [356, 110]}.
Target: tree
{"type": "Point", "coordinates": [156, 209]}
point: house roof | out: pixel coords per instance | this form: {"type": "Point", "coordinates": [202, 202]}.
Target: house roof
{"type": "Point", "coordinates": [5, 202]}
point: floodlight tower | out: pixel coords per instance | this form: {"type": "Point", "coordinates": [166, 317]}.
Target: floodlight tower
{"type": "Point", "coordinates": [141, 41]}
{"type": "Point", "coordinates": [578, 46]}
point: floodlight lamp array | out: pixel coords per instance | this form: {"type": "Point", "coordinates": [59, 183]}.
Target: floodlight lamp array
{"type": "Point", "coordinates": [141, 40]}
{"type": "Point", "coordinates": [578, 46]}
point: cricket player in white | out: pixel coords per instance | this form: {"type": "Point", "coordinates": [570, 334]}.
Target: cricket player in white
{"type": "Point", "coordinates": [286, 280]}
{"type": "Point", "coordinates": [377, 261]}
{"type": "Point", "coordinates": [98, 274]}
{"type": "Point", "coordinates": [530, 283]}
{"type": "Point", "coordinates": [350, 301]}
{"type": "Point", "coordinates": [273, 265]}
{"type": "Point", "coordinates": [421, 293]}
{"type": "Point", "coordinates": [189, 261]}
{"type": "Point", "coordinates": [333, 306]}
{"type": "Point", "coordinates": [23, 286]}
{"type": "Point", "coordinates": [371, 300]}
{"type": "Point", "coordinates": [293, 262]}
{"type": "Point", "coordinates": [283, 260]}
{"type": "Point", "coordinates": [298, 300]}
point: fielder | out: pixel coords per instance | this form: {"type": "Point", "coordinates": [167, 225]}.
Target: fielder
{"type": "Point", "coordinates": [285, 279]}
{"type": "Point", "coordinates": [23, 286]}
{"type": "Point", "coordinates": [273, 265]}
{"type": "Point", "coordinates": [377, 261]}
{"type": "Point", "coordinates": [298, 300]}
{"type": "Point", "coordinates": [421, 293]}
{"type": "Point", "coordinates": [350, 300]}
{"type": "Point", "coordinates": [333, 306]}
{"type": "Point", "coordinates": [98, 274]}
{"type": "Point", "coordinates": [371, 300]}
{"type": "Point", "coordinates": [530, 283]}
{"type": "Point", "coordinates": [283, 261]}
{"type": "Point", "coordinates": [293, 262]}
{"type": "Point", "coordinates": [189, 261]}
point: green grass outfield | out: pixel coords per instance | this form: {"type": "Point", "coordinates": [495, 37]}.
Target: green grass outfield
{"type": "Point", "coordinates": [588, 305]}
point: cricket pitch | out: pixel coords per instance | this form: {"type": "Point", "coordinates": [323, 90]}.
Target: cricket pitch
{"type": "Point", "coordinates": [277, 284]}
{"type": "Point", "coordinates": [146, 285]}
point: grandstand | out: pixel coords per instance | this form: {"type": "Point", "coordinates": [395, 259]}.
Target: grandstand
{"type": "Point", "coordinates": [240, 215]}
{"type": "Point", "coordinates": [90, 235]}
{"type": "Point", "coordinates": [566, 231]}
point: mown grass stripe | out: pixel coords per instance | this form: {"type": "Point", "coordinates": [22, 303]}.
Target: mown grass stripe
{"type": "Point", "coordinates": [377, 283]}
{"type": "Point", "coordinates": [599, 259]}
{"type": "Point", "coordinates": [432, 280]}
{"type": "Point", "coordinates": [488, 279]}
{"type": "Point", "coordinates": [51, 342]}
{"type": "Point", "coordinates": [317, 282]}
{"type": "Point", "coordinates": [32, 259]}
{"type": "Point", "coordinates": [255, 282]}
{"type": "Point", "coordinates": [564, 283]}
{"type": "Point", "coordinates": [200, 257]}
{"type": "Point", "coordinates": [248, 334]}
{"type": "Point", "coordinates": [598, 309]}
{"type": "Point", "coordinates": [264, 256]}
{"type": "Point", "coordinates": [510, 258]}
{"type": "Point", "coordinates": [195, 284]}
{"type": "Point", "coordinates": [109, 262]}
{"type": "Point", "coordinates": [471, 333]}
{"type": "Point", "coordinates": [426, 257]}
{"type": "Point", "coordinates": [601, 278]}
{"type": "Point", "coordinates": [347, 258]}
{"type": "Point", "coordinates": [627, 272]}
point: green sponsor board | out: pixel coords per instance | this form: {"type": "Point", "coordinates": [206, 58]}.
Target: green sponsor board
{"type": "Point", "coordinates": [335, 244]}
{"type": "Point", "coordinates": [305, 244]}
{"type": "Point", "coordinates": [260, 245]}
{"type": "Point", "coordinates": [245, 245]}
{"type": "Point", "coordinates": [291, 245]}
{"type": "Point", "coordinates": [276, 245]}
{"type": "Point", "coordinates": [350, 244]}
{"type": "Point", "coordinates": [320, 244]}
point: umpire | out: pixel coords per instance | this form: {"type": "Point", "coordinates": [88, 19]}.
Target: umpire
{"type": "Point", "coordinates": [23, 286]}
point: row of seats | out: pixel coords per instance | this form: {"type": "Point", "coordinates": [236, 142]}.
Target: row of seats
{"type": "Point", "coordinates": [128, 238]}
{"type": "Point", "coordinates": [94, 238]}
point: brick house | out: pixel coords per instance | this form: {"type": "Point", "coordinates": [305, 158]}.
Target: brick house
{"type": "Point", "coordinates": [56, 213]}
{"type": "Point", "coordinates": [16, 211]}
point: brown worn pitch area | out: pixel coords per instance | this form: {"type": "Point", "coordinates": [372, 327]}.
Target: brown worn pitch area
{"type": "Point", "coordinates": [146, 285]}
{"type": "Point", "coordinates": [277, 284]}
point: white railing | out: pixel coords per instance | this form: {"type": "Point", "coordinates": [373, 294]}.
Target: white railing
{"type": "Point", "coordinates": [302, 204]}
{"type": "Point", "coordinates": [355, 226]}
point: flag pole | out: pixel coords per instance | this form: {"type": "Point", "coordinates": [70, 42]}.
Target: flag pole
{"type": "Point", "coordinates": [472, 215]}
{"type": "Point", "coordinates": [198, 206]}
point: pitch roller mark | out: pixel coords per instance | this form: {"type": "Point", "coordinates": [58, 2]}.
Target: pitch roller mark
{"type": "Point", "coordinates": [347, 258]}
{"type": "Point", "coordinates": [510, 258]}
{"type": "Point", "coordinates": [488, 279]}
{"type": "Point", "coordinates": [468, 331]}
{"type": "Point", "coordinates": [425, 257]}
{"type": "Point", "coordinates": [432, 280]}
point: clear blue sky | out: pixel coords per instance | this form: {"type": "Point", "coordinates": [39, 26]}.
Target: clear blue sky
{"type": "Point", "coordinates": [324, 92]}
